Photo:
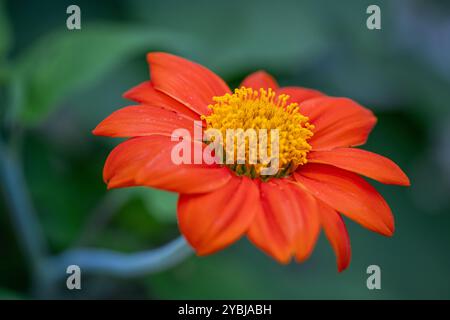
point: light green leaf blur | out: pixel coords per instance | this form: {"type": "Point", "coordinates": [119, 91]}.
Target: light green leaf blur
{"type": "Point", "coordinates": [65, 62]}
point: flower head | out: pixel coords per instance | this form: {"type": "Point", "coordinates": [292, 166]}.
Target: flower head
{"type": "Point", "coordinates": [259, 109]}
{"type": "Point", "coordinates": [317, 177]}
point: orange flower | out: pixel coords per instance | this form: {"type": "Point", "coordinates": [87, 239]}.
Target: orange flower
{"type": "Point", "coordinates": [282, 215]}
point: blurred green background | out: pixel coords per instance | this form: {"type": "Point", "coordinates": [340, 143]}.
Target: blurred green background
{"type": "Point", "coordinates": [56, 85]}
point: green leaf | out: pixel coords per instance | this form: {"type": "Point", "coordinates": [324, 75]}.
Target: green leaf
{"type": "Point", "coordinates": [65, 62]}
{"type": "Point", "coordinates": [244, 36]}
{"type": "Point", "coordinates": [160, 204]}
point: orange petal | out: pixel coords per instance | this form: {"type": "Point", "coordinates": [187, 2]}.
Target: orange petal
{"type": "Point", "coordinates": [277, 224]}
{"type": "Point", "coordinates": [185, 81]}
{"type": "Point", "coordinates": [362, 162]}
{"type": "Point", "coordinates": [259, 79]}
{"type": "Point", "coordinates": [142, 120]}
{"type": "Point", "coordinates": [162, 173]}
{"type": "Point", "coordinates": [339, 122]}
{"type": "Point", "coordinates": [145, 93]}
{"type": "Point", "coordinates": [337, 234]}
{"type": "Point", "coordinates": [347, 193]}
{"type": "Point", "coordinates": [146, 161]}
{"type": "Point", "coordinates": [214, 220]}
{"type": "Point", "coordinates": [310, 227]}
{"type": "Point", "coordinates": [299, 94]}
{"type": "Point", "coordinates": [128, 158]}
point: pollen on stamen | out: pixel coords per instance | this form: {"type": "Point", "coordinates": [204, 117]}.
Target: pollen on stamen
{"type": "Point", "coordinates": [259, 109]}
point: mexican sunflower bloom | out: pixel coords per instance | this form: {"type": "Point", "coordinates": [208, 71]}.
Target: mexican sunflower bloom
{"type": "Point", "coordinates": [319, 177]}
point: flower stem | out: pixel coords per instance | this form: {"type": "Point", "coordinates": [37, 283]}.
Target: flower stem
{"type": "Point", "coordinates": [121, 265]}
{"type": "Point", "coordinates": [23, 216]}
{"type": "Point", "coordinates": [47, 271]}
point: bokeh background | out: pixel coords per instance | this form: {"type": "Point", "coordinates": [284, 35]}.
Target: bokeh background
{"type": "Point", "coordinates": [56, 85]}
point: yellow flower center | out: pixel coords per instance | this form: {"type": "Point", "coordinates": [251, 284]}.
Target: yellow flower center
{"type": "Point", "coordinates": [263, 112]}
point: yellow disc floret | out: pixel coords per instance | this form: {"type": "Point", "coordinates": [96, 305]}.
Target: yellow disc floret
{"type": "Point", "coordinates": [252, 109]}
